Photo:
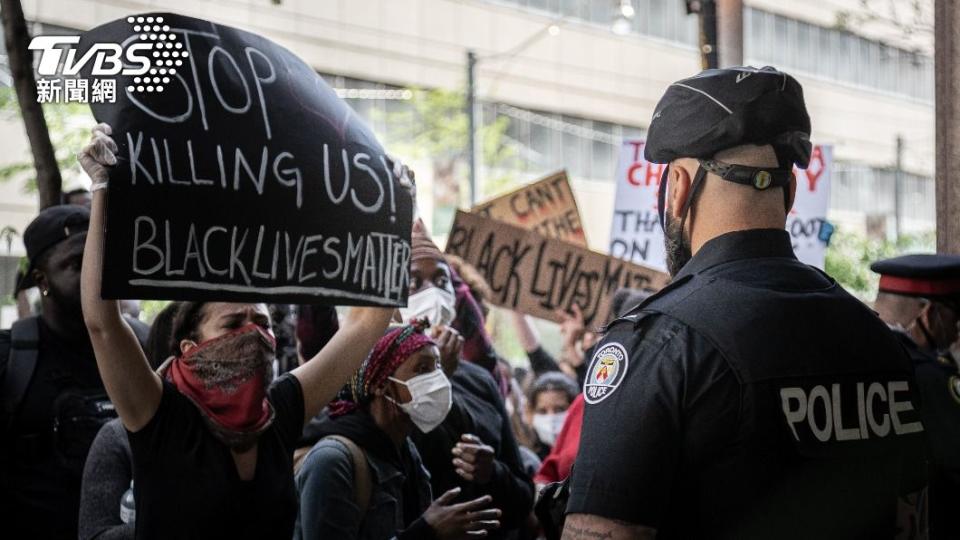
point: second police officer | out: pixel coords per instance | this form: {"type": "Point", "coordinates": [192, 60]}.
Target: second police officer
{"type": "Point", "coordinates": [919, 298]}
{"type": "Point", "coordinates": [752, 397]}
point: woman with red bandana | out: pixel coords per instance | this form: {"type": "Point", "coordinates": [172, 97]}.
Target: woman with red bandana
{"type": "Point", "coordinates": [364, 478]}
{"type": "Point", "coordinates": [212, 439]}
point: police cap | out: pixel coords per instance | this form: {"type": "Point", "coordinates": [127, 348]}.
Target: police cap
{"type": "Point", "coordinates": [926, 275]}
{"type": "Point", "coordinates": [723, 108]}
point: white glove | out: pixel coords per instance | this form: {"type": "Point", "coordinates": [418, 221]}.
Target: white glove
{"type": "Point", "coordinates": [408, 181]}
{"type": "Point", "coordinates": [98, 155]}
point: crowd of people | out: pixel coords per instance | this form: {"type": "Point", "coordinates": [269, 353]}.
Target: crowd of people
{"type": "Point", "coordinates": [690, 412]}
{"type": "Point", "coordinates": [388, 423]}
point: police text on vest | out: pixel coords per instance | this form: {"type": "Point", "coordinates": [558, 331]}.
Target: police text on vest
{"type": "Point", "coordinates": [879, 409]}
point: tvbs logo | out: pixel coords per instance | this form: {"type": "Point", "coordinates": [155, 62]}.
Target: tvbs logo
{"type": "Point", "coordinates": [151, 56]}
{"type": "Point", "coordinates": [108, 58]}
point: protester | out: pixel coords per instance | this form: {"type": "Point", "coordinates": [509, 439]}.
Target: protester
{"type": "Point", "coordinates": [284, 318]}
{"type": "Point", "coordinates": [212, 440]}
{"type": "Point", "coordinates": [364, 478]}
{"type": "Point", "coordinates": [108, 472]}
{"type": "Point", "coordinates": [474, 447]}
{"type": "Point", "coordinates": [515, 403]}
{"type": "Point", "coordinates": [130, 308]}
{"type": "Point", "coordinates": [78, 196]}
{"type": "Point", "coordinates": [556, 466]}
{"type": "Point", "coordinates": [470, 311]}
{"type": "Point", "coordinates": [53, 398]}
{"type": "Point", "coordinates": [919, 298]}
{"type": "Point", "coordinates": [704, 407]}
{"type": "Point", "coordinates": [158, 347]}
{"type": "Point", "coordinates": [467, 274]}
{"type": "Point", "coordinates": [315, 326]}
{"type": "Point", "coordinates": [576, 339]}
{"type": "Point", "coordinates": [547, 404]}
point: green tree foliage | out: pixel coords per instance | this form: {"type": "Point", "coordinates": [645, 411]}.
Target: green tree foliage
{"type": "Point", "coordinates": [433, 126]}
{"type": "Point", "coordinates": [849, 257]}
{"type": "Point", "coordinates": [69, 125]}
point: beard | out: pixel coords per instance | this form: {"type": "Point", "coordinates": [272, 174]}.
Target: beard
{"type": "Point", "coordinates": [677, 250]}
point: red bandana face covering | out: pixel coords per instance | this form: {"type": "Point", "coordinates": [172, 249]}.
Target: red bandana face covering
{"type": "Point", "coordinates": [226, 378]}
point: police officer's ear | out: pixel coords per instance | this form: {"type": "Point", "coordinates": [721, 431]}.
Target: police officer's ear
{"type": "Point", "coordinates": [679, 182]}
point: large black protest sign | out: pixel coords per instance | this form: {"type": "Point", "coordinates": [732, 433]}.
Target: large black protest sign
{"type": "Point", "coordinates": [242, 176]}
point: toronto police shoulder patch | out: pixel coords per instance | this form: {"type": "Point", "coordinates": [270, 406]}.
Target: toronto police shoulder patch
{"type": "Point", "coordinates": [607, 370]}
{"type": "Point", "coordinates": [954, 383]}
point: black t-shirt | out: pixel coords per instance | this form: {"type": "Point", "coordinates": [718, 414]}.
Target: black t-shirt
{"type": "Point", "coordinates": [44, 494]}
{"type": "Point", "coordinates": [187, 484]}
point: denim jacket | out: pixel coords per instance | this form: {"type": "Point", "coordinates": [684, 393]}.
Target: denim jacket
{"type": "Point", "coordinates": [328, 507]}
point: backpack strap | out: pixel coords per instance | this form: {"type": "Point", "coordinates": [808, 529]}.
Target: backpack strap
{"type": "Point", "coordinates": [21, 364]}
{"type": "Point", "coordinates": [362, 485]}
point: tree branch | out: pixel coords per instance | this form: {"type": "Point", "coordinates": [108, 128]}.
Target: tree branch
{"type": "Point", "coordinates": [17, 40]}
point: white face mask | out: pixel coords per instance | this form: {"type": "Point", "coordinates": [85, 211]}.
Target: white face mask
{"type": "Point", "coordinates": [430, 399]}
{"type": "Point", "coordinates": [436, 304]}
{"type": "Point", "coordinates": [548, 426]}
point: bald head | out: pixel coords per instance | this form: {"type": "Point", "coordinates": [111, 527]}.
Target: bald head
{"type": "Point", "coordinates": [724, 206]}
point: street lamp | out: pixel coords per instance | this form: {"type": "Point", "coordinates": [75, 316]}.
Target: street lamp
{"type": "Point", "coordinates": [552, 29]}
{"type": "Point", "coordinates": [625, 12]}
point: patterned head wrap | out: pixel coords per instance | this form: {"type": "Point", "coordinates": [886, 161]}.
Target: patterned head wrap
{"type": "Point", "coordinates": [393, 348]}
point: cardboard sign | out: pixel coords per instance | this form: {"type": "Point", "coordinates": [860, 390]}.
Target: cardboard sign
{"type": "Point", "coordinates": [635, 233]}
{"type": "Point", "coordinates": [546, 206]}
{"type": "Point", "coordinates": [537, 275]}
{"type": "Point", "coordinates": [245, 178]}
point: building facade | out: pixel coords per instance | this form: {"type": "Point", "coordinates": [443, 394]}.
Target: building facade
{"type": "Point", "coordinates": [572, 89]}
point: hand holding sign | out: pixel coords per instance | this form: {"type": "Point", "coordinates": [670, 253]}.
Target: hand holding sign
{"type": "Point", "coordinates": [99, 155]}
{"type": "Point", "coordinates": [244, 177]}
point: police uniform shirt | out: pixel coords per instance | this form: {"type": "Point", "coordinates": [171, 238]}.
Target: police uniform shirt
{"type": "Point", "coordinates": [938, 387]}
{"type": "Point", "coordinates": [727, 405]}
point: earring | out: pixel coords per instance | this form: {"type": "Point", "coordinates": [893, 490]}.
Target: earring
{"type": "Point", "coordinates": [45, 292]}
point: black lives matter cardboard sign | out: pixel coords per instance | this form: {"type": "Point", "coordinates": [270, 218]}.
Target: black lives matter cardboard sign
{"type": "Point", "coordinates": [537, 275]}
{"type": "Point", "coordinates": [245, 178]}
{"type": "Point", "coordinates": [546, 206]}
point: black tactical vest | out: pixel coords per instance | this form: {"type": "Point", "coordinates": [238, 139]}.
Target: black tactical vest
{"type": "Point", "coordinates": [828, 435]}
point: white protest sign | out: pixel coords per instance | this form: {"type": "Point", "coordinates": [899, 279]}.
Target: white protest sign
{"type": "Point", "coordinates": [635, 232]}
{"type": "Point", "coordinates": [807, 221]}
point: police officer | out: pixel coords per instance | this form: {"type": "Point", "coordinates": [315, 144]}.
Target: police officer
{"type": "Point", "coordinates": [919, 298]}
{"type": "Point", "coordinates": [752, 397]}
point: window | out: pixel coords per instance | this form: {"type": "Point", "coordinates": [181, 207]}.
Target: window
{"type": "Point", "coordinates": [836, 54]}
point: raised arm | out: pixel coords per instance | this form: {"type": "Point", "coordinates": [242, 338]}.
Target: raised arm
{"type": "Point", "coordinates": [323, 376]}
{"type": "Point", "coordinates": [133, 387]}
{"type": "Point", "coordinates": [529, 338]}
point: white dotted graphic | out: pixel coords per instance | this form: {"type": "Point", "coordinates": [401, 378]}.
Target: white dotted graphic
{"type": "Point", "coordinates": [167, 53]}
